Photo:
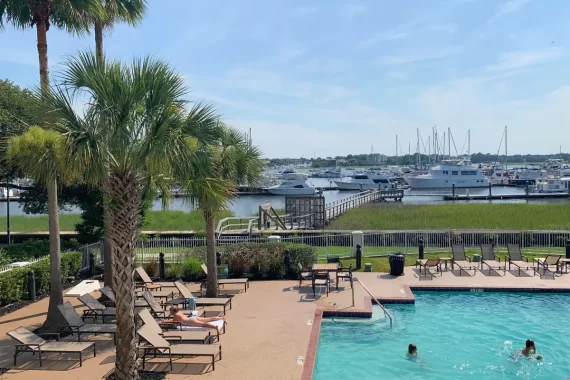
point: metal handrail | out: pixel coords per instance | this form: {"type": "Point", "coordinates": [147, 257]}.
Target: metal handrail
{"type": "Point", "coordinates": [378, 302]}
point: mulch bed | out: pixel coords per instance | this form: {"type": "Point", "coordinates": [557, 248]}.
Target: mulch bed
{"type": "Point", "coordinates": [144, 375]}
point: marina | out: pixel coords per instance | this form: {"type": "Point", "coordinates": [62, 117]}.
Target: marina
{"type": "Point", "coordinates": [506, 197]}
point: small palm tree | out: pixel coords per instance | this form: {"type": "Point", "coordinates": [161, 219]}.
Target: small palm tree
{"type": "Point", "coordinates": [40, 154]}
{"type": "Point", "coordinates": [71, 15]}
{"type": "Point", "coordinates": [129, 11]}
{"type": "Point", "coordinates": [233, 160]}
{"type": "Point", "coordinates": [132, 129]}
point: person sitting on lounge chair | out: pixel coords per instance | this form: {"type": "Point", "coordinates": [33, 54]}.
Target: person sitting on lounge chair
{"type": "Point", "coordinates": [195, 321]}
{"type": "Point", "coordinates": [530, 349]}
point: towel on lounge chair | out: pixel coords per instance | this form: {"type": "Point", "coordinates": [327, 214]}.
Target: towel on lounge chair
{"type": "Point", "coordinates": [219, 324]}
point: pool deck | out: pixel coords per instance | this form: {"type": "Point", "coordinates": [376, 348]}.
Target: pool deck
{"type": "Point", "coordinates": [269, 327]}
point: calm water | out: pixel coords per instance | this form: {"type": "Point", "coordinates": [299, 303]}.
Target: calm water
{"type": "Point", "coordinates": [249, 204]}
{"type": "Point", "coordinates": [458, 335]}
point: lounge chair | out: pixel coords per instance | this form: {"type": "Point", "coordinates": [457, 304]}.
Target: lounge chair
{"type": "Point", "coordinates": [158, 346]}
{"type": "Point", "coordinates": [226, 281]}
{"type": "Point", "coordinates": [198, 335]}
{"type": "Point", "coordinates": [488, 258]}
{"type": "Point", "coordinates": [30, 342]}
{"type": "Point", "coordinates": [75, 323]}
{"type": "Point", "coordinates": [156, 309]}
{"type": "Point", "coordinates": [461, 260]}
{"type": "Point", "coordinates": [321, 279]}
{"type": "Point", "coordinates": [516, 258]}
{"type": "Point", "coordinates": [96, 309]}
{"type": "Point", "coordinates": [161, 294]}
{"type": "Point", "coordinates": [304, 274]}
{"type": "Point", "coordinates": [429, 263]}
{"type": "Point", "coordinates": [109, 295]}
{"type": "Point", "coordinates": [344, 273]}
{"type": "Point", "coordinates": [548, 262]}
{"type": "Point", "coordinates": [185, 294]}
{"type": "Point", "coordinates": [148, 283]}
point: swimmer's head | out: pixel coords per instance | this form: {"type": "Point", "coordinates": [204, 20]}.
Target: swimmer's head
{"type": "Point", "coordinates": [530, 344]}
{"type": "Point", "coordinates": [412, 349]}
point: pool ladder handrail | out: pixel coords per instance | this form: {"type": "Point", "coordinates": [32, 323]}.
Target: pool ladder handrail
{"type": "Point", "coordinates": [378, 302]}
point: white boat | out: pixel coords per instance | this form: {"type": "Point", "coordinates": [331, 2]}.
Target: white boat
{"type": "Point", "coordinates": [450, 172]}
{"type": "Point", "coordinates": [367, 181]}
{"type": "Point", "coordinates": [552, 185]}
{"type": "Point", "coordinates": [328, 173]}
{"type": "Point", "coordinates": [500, 176]}
{"type": "Point", "coordinates": [527, 176]}
{"type": "Point", "coordinates": [554, 164]}
{"type": "Point", "coordinates": [291, 174]}
{"type": "Point", "coordinates": [292, 187]}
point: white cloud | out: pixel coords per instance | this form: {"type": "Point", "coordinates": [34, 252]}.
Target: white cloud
{"type": "Point", "coordinates": [419, 56]}
{"type": "Point", "coordinates": [508, 7]}
{"type": "Point", "coordinates": [523, 59]}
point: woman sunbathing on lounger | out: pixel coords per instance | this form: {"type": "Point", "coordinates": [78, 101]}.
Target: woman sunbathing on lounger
{"type": "Point", "coordinates": [195, 321]}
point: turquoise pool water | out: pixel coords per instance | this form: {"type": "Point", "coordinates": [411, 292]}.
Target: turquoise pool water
{"type": "Point", "coordinates": [459, 336]}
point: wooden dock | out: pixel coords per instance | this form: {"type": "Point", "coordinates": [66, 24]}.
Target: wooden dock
{"type": "Point", "coordinates": [505, 196]}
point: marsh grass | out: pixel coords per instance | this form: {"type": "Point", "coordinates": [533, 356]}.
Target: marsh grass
{"type": "Point", "coordinates": [155, 221]}
{"type": "Point", "coordinates": [397, 216]}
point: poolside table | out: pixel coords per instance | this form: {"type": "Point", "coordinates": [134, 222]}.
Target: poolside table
{"type": "Point", "coordinates": [221, 301]}
{"type": "Point", "coordinates": [564, 263]}
{"type": "Point", "coordinates": [84, 287]}
{"type": "Point", "coordinates": [445, 260]}
{"type": "Point", "coordinates": [333, 267]}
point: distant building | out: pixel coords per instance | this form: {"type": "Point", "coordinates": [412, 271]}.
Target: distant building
{"type": "Point", "coordinates": [376, 158]}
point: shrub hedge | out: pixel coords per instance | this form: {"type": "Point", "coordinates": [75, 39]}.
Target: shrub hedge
{"type": "Point", "coordinates": [14, 283]}
{"type": "Point", "coordinates": [33, 249]}
{"type": "Point", "coordinates": [261, 260]}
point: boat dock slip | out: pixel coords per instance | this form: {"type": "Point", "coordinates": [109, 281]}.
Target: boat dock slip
{"type": "Point", "coordinates": [505, 196]}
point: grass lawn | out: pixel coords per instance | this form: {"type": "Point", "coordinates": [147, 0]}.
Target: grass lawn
{"type": "Point", "coordinates": [398, 216]}
{"type": "Point", "coordinates": [155, 221]}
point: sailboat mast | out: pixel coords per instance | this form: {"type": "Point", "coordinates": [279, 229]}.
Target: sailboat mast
{"type": "Point", "coordinates": [397, 163]}
{"type": "Point", "coordinates": [449, 142]}
{"type": "Point", "coordinates": [468, 143]}
{"type": "Point", "coordinates": [506, 152]}
{"type": "Point", "coordinates": [419, 161]}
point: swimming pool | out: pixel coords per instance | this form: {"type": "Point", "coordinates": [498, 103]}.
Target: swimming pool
{"type": "Point", "coordinates": [459, 335]}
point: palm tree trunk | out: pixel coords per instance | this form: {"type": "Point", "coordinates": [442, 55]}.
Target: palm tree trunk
{"type": "Point", "coordinates": [212, 279]}
{"type": "Point", "coordinates": [54, 317]}
{"type": "Point", "coordinates": [123, 221]}
{"type": "Point", "coordinates": [99, 41]}
{"type": "Point", "coordinates": [107, 246]}
{"type": "Point", "coordinates": [41, 32]}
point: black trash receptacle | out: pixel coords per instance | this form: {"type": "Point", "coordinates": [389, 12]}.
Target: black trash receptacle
{"type": "Point", "coordinates": [397, 262]}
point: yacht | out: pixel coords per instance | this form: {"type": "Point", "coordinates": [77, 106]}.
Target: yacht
{"type": "Point", "coordinates": [367, 181]}
{"type": "Point", "coordinates": [289, 174]}
{"type": "Point", "coordinates": [450, 172]}
{"type": "Point", "coordinates": [552, 185]}
{"type": "Point", "coordinates": [553, 164]}
{"type": "Point", "coordinates": [527, 176]}
{"type": "Point", "coordinates": [291, 187]}
{"type": "Point", "coordinates": [328, 173]}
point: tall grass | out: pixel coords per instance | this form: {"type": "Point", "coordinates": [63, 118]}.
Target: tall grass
{"type": "Point", "coordinates": [397, 216]}
{"type": "Point", "coordinates": [155, 221]}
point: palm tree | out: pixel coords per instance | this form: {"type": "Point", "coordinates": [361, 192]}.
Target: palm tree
{"type": "Point", "coordinates": [132, 129]}
{"type": "Point", "coordinates": [70, 15]}
{"type": "Point", "coordinates": [40, 154]}
{"type": "Point", "coordinates": [129, 11]}
{"type": "Point", "coordinates": [235, 161]}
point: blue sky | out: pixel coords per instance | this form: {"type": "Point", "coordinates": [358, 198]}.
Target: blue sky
{"type": "Point", "coordinates": [332, 77]}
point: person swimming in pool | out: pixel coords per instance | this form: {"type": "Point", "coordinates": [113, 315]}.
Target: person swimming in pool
{"type": "Point", "coordinates": [530, 349]}
{"type": "Point", "coordinates": [192, 320]}
{"type": "Point", "coordinates": [412, 351]}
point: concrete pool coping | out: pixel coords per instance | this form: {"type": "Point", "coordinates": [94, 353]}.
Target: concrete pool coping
{"type": "Point", "coordinates": [407, 298]}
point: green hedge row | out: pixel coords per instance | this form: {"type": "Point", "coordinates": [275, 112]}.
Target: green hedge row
{"type": "Point", "coordinates": [31, 249]}
{"type": "Point", "coordinates": [14, 283]}
{"type": "Point", "coordinates": [261, 260]}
